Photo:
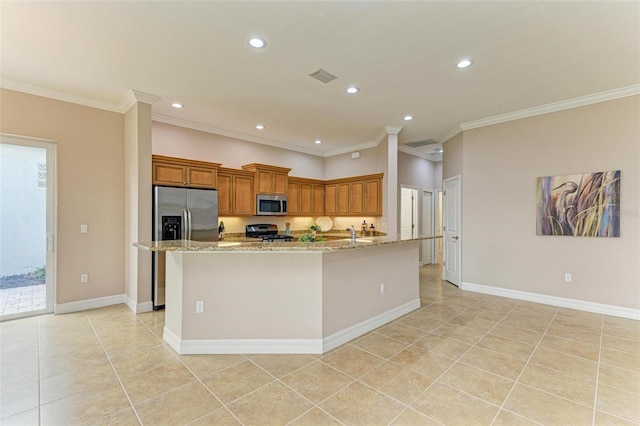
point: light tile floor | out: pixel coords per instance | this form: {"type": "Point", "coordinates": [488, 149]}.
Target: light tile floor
{"type": "Point", "coordinates": [461, 359]}
{"type": "Point", "coordinates": [22, 299]}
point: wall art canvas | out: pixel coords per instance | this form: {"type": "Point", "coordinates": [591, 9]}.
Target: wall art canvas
{"type": "Point", "coordinates": [584, 205]}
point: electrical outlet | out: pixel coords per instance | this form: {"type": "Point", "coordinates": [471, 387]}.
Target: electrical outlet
{"type": "Point", "coordinates": [199, 307]}
{"type": "Point", "coordinates": [84, 229]}
{"type": "Point", "coordinates": [567, 277]}
{"type": "Point", "coordinates": [84, 278]}
{"type": "Point", "coordinates": [381, 288]}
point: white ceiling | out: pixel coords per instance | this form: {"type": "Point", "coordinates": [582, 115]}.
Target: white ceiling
{"type": "Point", "coordinates": [401, 55]}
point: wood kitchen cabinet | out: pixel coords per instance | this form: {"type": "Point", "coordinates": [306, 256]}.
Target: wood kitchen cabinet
{"type": "Point", "coordinates": [269, 179]}
{"type": "Point", "coordinates": [306, 197]}
{"type": "Point", "coordinates": [235, 193]}
{"type": "Point", "coordinates": [360, 195]}
{"type": "Point", "coordinates": [180, 172]}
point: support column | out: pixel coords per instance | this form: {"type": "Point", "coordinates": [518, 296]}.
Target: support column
{"type": "Point", "coordinates": [391, 177]}
{"type": "Point", "coordinates": [138, 199]}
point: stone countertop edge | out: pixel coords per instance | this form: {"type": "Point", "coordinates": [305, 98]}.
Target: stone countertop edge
{"type": "Point", "coordinates": [257, 246]}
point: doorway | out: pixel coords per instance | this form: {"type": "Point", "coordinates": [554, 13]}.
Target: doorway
{"type": "Point", "coordinates": [408, 212]}
{"type": "Point", "coordinates": [27, 226]}
{"type": "Point", "coordinates": [451, 230]}
{"type": "Point", "coordinates": [427, 228]}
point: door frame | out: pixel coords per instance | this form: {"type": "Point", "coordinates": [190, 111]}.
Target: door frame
{"type": "Point", "coordinates": [51, 227]}
{"type": "Point", "coordinates": [415, 210]}
{"type": "Point", "coordinates": [428, 228]}
{"type": "Point", "coordinates": [459, 224]}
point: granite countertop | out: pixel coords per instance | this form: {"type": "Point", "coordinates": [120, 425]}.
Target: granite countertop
{"type": "Point", "coordinates": [338, 242]}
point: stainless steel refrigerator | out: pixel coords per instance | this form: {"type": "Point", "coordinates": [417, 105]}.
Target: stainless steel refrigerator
{"type": "Point", "coordinates": [180, 214]}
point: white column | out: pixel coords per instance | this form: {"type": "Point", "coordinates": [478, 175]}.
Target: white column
{"type": "Point", "coordinates": [391, 176]}
{"type": "Point", "coordinates": [138, 199]}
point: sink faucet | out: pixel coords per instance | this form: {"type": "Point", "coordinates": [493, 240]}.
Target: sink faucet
{"type": "Point", "coordinates": [353, 233]}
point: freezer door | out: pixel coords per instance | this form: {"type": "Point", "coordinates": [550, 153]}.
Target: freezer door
{"type": "Point", "coordinates": [169, 208]}
{"type": "Point", "coordinates": [202, 212]}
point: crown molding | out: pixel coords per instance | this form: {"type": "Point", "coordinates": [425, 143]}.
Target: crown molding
{"type": "Point", "coordinates": [345, 150]}
{"type": "Point", "coordinates": [136, 96]}
{"type": "Point", "coordinates": [451, 133]}
{"type": "Point", "coordinates": [416, 153]}
{"type": "Point", "coordinates": [229, 133]}
{"type": "Point", "coordinates": [393, 130]}
{"type": "Point", "coordinates": [59, 96]}
{"type": "Point", "coordinates": [553, 107]}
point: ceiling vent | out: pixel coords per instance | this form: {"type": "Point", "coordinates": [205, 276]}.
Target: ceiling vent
{"type": "Point", "coordinates": [323, 76]}
{"type": "Point", "coordinates": [422, 143]}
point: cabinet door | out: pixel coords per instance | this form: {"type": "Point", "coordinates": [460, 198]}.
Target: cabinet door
{"type": "Point", "coordinates": [169, 174]}
{"type": "Point", "coordinates": [264, 181]}
{"type": "Point", "coordinates": [357, 197]}
{"type": "Point", "coordinates": [372, 202]}
{"type": "Point", "coordinates": [293, 195]}
{"type": "Point", "coordinates": [318, 200]}
{"type": "Point", "coordinates": [330, 199]}
{"type": "Point", "coordinates": [343, 198]}
{"type": "Point", "coordinates": [201, 177]}
{"type": "Point", "coordinates": [305, 199]}
{"type": "Point", "coordinates": [243, 195]}
{"type": "Point", "coordinates": [224, 194]}
{"type": "Point", "coordinates": [280, 182]}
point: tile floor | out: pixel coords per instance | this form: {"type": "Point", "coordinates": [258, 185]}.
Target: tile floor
{"type": "Point", "coordinates": [461, 359]}
{"type": "Point", "coordinates": [16, 300]}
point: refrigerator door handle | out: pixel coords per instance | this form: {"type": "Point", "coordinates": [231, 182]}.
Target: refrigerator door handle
{"type": "Point", "coordinates": [185, 225]}
{"type": "Point", "coordinates": [189, 216]}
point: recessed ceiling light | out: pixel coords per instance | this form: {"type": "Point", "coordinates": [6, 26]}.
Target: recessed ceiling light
{"type": "Point", "coordinates": [463, 63]}
{"type": "Point", "coordinates": [318, 141]}
{"type": "Point", "coordinates": [352, 89]}
{"type": "Point", "coordinates": [256, 42]}
{"type": "Point", "coordinates": [260, 127]}
{"type": "Point", "coordinates": [177, 105]}
{"type": "Point", "coordinates": [407, 117]}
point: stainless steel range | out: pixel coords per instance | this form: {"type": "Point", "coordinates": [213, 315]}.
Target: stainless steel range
{"type": "Point", "coordinates": [266, 232]}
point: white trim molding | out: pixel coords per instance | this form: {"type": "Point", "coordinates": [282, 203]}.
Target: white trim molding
{"type": "Point", "coordinates": [136, 96]}
{"type": "Point", "coordinates": [83, 305]}
{"type": "Point", "coordinates": [581, 305]}
{"type": "Point", "coordinates": [553, 107]}
{"type": "Point", "coordinates": [285, 346]}
{"type": "Point", "coordinates": [138, 308]}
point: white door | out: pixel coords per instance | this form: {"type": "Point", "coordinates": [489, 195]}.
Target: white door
{"type": "Point", "coordinates": [27, 224]}
{"type": "Point", "coordinates": [408, 212]}
{"type": "Point", "coordinates": [451, 230]}
{"type": "Point", "coordinates": [427, 227]}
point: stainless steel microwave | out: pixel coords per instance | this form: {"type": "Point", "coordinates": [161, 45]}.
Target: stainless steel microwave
{"type": "Point", "coordinates": [271, 205]}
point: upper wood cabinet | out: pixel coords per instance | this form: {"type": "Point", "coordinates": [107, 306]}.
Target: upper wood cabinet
{"type": "Point", "coordinates": [269, 179]}
{"type": "Point", "coordinates": [235, 193]}
{"type": "Point", "coordinates": [306, 197]}
{"type": "Point", "coordinates": [360, 195]}
{"type": "Point", "coordinates": [181, 172]}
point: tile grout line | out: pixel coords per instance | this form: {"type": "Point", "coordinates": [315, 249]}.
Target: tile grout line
{"type": "Point", "coordinates": [177, 357]}
{"type": "Point", "coordinates": [517, 380]}
{"type": "Point", "coordinates": [115, 371]}
{"type": "Point", "coordinates": [595, 395]}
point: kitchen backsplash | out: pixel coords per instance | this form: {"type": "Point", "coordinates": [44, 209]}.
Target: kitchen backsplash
{"type": "Point", "coordinates": [236, 224]}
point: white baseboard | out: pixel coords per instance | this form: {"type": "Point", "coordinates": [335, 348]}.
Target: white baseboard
{"type": "Point", "coordinates": [285, 346]}
{"type": "Point", "coordinates": [138, 308]}
{"type": "Point", "coordinates": [581, 305]}
{"type": "Point", "coordinates": [83, 305]}
{"type": "Point", "coordinates": [350, 333]}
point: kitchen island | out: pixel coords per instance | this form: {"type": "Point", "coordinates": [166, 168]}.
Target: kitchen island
{"type": "Point", "coordinates": [288, 297]}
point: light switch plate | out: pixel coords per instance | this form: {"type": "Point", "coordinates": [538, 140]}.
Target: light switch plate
{"type": "Point", "coordinates": [84, 229]}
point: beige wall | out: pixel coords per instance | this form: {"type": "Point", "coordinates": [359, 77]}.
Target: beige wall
{"type": "Point", "coordinates": [340, 166]}
{"type": "Point", "coordinates": [90, 188]}
{"type": "Point", "coordinates": [501, 163]}
{"type": "Point", "coordinates": [174, 141]}
{"type": "Point", "coordinates": [452, 157]}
